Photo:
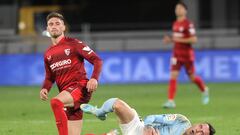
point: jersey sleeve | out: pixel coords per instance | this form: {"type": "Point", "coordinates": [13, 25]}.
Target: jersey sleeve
{"type": "Point", "coordinates": [87, 53]}
{"type": "Point", "coordinates": [166, 119]}
{"type": "Point", "coordinates": [49, 79]}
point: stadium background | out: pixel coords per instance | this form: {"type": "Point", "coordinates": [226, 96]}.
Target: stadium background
{"type": "Point", "coordinates": [128, 36]}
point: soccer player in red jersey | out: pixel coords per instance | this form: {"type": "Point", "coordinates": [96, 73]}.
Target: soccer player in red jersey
{"type": "Point", "coordinates": [64, 64]}
{"type": "Point", "coordinates": [183, 54]}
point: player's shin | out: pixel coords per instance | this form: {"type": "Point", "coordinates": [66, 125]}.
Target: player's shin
{"type": "Point", "coordinates": [172, 89]}
{"type": "Point", "coordinates": [60, 116]}
{"type": "Point", "coordinates": [199, 82]}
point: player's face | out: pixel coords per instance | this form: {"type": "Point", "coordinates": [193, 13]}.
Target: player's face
{"type": "Point", "coordinates": [55, 27]}
{"type": "Point", "coordinates": [150, 131]}
{"type": "Point", "coordinates": [180, 10]}
{"type": "Point", "coordinates": [198, 129]}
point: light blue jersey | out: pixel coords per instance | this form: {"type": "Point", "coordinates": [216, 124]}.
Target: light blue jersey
{"type": "Point", "coordinates": [168, 124]}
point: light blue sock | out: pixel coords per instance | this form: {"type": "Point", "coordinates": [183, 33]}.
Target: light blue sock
{"type": "Point", "coordinates": [106, 107]}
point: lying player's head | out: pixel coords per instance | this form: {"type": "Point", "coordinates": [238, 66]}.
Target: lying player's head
{"type": "Point", "coordinates": [55, 24]}
{"type": "Point", "coordinates": [201, 129]}
{"type": "Point", "coordinates": [181, 9]}
{"type": "Point", "coordinates": [148, 130]}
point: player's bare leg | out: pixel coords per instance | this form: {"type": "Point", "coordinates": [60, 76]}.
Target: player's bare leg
{"type": "Point", "coordinates": [64, 99]}
{"type": "Point", "coordinates": [172, 90]}
{"type": "Point", "coordinates": [203, 88]}
{"type": "Point", "coordinates": [74, 127]}
{"type": "Point", "coordinates": [123, 111]}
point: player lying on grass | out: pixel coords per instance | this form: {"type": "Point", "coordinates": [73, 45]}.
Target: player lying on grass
{"type": "Point", "coordinates": [164, 124]}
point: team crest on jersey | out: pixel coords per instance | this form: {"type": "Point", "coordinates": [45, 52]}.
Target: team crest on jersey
{"type": "Point", "coordinates": [67, 51]}
{"type": "Point", "coordinates": [171, 117]}
{"type": "Point", "coordinates": [49, 57]}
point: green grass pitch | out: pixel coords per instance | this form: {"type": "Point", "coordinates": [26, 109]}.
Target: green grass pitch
{"type": "Point", "coordinates": [22, 113]}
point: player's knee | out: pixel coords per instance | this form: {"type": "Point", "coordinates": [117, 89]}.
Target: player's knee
{"type": "Point", "coordinates": [192, 77]}
{"type": "Point", "coordinates": [174, 75]}
{"type": "Point", "coordinates": [118, 104]}
{"type": "Point", "coordinates": [55, 103]}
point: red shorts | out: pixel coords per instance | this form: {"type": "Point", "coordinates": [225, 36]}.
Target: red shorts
{"type": "Point", "coordinates": [80, 95]}
{"type": "Point", "coordinates": [177, 65]}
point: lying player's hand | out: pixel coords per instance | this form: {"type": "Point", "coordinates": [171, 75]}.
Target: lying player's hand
{"type": "Point", "coordinates": [44, 94]}
{"type": "Point", "coordinates": [148, 130]}
{"type": "Point", "coordinates": [167, 39]}
{"type": "Point", "coordinates": [92, 85]}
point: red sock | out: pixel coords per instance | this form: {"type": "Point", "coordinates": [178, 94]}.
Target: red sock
{"type": "Point", "coordinates": [198, 81]}
{"type": "Point", "coordinates": [172, 89]}
{"type": "Point", "coordinates": [60, 116]}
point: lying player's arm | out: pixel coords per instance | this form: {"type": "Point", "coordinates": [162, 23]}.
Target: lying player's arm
{"type": "Point", "coordinates": [190, 40]}
{"type": "Point", "coordinates": [167, 119]}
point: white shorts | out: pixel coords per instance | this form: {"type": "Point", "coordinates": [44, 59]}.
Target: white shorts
{"type": "Point", "coordinates": [135, 127]}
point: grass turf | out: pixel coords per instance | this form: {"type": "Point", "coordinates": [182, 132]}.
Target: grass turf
{"type": "Point", "coordinates": [22, 113]}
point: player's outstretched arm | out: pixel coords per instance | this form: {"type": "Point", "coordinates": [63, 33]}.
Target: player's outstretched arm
{"type": "Point", "coordinates": [167, 39]}
{"type": "Point", "coordinates": [190, 40]}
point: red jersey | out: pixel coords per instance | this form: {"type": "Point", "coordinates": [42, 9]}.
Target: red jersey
{"type": "Point", "coordinates": [183, 29]}
{"type": "Point", "coordinates": [64, 64]}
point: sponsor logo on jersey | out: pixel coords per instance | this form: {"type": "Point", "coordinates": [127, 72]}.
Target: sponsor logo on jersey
{"type": "Point", "coordinates": [60, 64]}
{"type": "Point", "coordinates": [67, 51]}
{"type": "Point", "coordinates": [87, 49]}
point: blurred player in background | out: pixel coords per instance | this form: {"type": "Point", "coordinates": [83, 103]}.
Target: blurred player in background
{"type": "Point", "coordinates": [183, 54]}
{"type": "Point", "coordinates": [64, 64]}
{"type": "Point", "coordinates": [164, 124]}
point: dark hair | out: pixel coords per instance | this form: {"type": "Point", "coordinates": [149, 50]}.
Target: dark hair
{"type": "Point", "coordinates": [55, 14]}
{"type": "Point", "coordinates": [212, 131]}
{"type": "Point", "coordinates": [183, 4]}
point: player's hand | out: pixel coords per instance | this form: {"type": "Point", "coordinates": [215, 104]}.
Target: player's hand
{"type": "Point", "coordinates": [92, 85]}
{"type": "Point", "coordinates": [166, 39]}
{"type": "Point", "coordinates": [176, 39]}
{"type": "Point", "coordinates": [44, 94]}
{"type": "Point", "coordinates": [150, 131]}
